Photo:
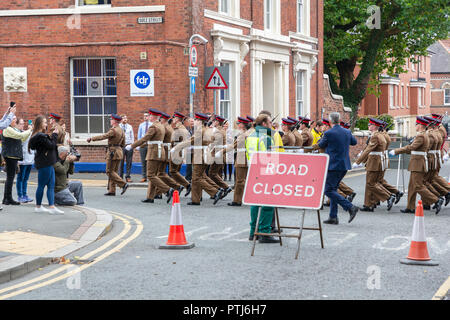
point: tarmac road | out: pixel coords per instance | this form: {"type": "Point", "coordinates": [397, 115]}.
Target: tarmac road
{"type": "Point", "coordinates": [360, 260]}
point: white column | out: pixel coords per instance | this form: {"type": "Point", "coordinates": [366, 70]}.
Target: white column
{"type": "Point", "coordinates": [279, 90]}
{"type": "Point", "coordinates": [286, 88]}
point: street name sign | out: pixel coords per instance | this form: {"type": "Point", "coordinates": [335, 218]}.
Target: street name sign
{"type": "Point", "coordinates": [279, 179]}
{"type": "Point", "coordinates": [147, 20]}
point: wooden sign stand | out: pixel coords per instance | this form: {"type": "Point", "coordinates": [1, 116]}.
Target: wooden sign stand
{"type": "Point", "coordinates": [280, 233]}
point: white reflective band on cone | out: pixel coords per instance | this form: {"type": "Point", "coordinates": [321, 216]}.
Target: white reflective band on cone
{"type": "Point", "coordinates": [175, 218]}
{"type": "Point", "coordinates": [418, 233]}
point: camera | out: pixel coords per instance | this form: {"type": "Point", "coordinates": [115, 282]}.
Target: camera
{"type": "Point", "coordinates": [75, 152]}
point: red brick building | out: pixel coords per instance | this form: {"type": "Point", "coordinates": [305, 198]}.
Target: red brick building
{"type": "Point", "coordinates": [79, 58]}
{"type": "Point", "coordinates": [440, 77]}
{"type": "Point", "coordinates": [404, 96]}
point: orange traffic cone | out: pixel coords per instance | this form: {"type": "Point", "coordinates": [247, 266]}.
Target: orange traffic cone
{"type": "Point", "coordinates": [177, 239]}
{"type": "Point", "coordinates": [418, 251]}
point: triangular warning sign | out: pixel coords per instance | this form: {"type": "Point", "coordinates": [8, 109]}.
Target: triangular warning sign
{"type": "Point", "coordinates": [216, 81]}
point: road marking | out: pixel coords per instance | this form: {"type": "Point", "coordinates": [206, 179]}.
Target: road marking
{"type": "Point", "coordinates": [126, 229]}
{"type": "Point", "coordinates": [443, 290]}
{"type": "Point", "coordinates": [186, 233]}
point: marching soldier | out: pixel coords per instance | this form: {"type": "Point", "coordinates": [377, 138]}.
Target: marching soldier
{"type": "Point", "coordinates": [288, 137]}
{"type": "Point", "coordinates": [384, 183]}
{"type": "Point", "coordinates": [155, 156]}
{"type": "Point", "coordinates": [418, 167]}
{"type": "Point", "coordinates": [200, 140]}
{"type": "Point", "coordinates": [307, 136]}
{"type": "Point", "coordinates": [240, 163]}
{"type": "Point", "coordinates": [167, 143]}
{"type": "Point", "coordinates": [180, 133]}
{"type": "Point", "coordinates": [54, 120]}
{"type": "Point", "coordinates": [373, 157]}
{"type": "Point", "coordinates": [216, 168]}
{"type": "Point", "coordinates": [432, 178]}
{"type": "Point", "coordinates": [297, 135]}
{"type": "Point", "coordinates": [441, 133]}
{"type": "Point", "coordinates": [116, 142]}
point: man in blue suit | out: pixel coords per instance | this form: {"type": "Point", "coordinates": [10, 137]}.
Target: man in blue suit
{"type": "Point", "coordinates": [336, 143]}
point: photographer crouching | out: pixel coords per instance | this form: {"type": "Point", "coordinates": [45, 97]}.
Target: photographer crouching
{"type": "Point", "coordinates": [67, 193]}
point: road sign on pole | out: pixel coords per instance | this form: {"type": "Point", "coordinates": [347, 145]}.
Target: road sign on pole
{"type": "Point", "coordinates": [192, 85]}
{"type": "Point", "coordinates": [193, 56]}
{"type": "Point", "coordinates": [216, 81]}
{"type": "Point", "coordinates": [193, 72]}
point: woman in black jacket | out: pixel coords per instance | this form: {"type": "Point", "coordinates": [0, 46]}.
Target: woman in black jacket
{"type": "Point", "coordinates": [44, 159]}
{"type": "Point", "coordinates": [12, 138]}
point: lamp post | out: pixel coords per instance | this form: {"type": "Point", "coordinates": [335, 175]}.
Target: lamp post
{"type": "Point", "coordinates": [191, 95]}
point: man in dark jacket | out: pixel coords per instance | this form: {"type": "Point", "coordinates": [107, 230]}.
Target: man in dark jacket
{"type": "Point", "coordinates": [67, 193]}
{"type": "Point", "coordinates": [336, 143]}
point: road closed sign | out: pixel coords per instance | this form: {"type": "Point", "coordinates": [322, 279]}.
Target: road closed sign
{"type": "Point", "coordinates": [142, 83]}
{"type": "Point", "coordinates": [290, 180]}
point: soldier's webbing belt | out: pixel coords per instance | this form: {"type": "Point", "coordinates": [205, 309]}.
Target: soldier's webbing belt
{"type": "Point", "coordinates": [424, 154]}
{"type": "Point", "coordinates": [381, 154]}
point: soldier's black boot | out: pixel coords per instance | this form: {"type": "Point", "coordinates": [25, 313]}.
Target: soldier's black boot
{"type": "Point", "coordinates": [226, 192]}
{"type": "Point", "coordinates": [188, 190]}
{"type": "Point", "coordinates": [438, 205]}
{"type": "Point", "coordinates": [193, 203]}
{"type": "Point", "coordinates": [218, 195]}
{"type": "Point", "coordinates": [407, 211]}
{"type": "Point", "coordinates": [125, 187]}
{"type": "Point", "coordinates": [169, 194]}
{"type": "Point", "coordinates": [367, 209]}
{"type": "Point", "coordinates": [148, 201]}
{"type": "Point", "coordinates": [390, 201]}
{"type": "Point", "coordinates": [398, 196]}
{"type": "Point", "coordinates": [426, 207]}
{"type": "Point", "coordinates": [234, 204]}
{"type": "Point", "coordinates": [351, 197]}
{"type": "Point", "coordinates": [447, 198]}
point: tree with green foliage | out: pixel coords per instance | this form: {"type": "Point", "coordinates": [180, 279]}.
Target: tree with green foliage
{"type": "Point", "coordinates": [352, 38]}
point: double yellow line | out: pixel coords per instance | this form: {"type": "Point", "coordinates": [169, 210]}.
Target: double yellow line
{"type": "Point", "coordinates": [29, 285]}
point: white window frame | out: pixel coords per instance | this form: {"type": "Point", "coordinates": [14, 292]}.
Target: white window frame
{"type": "Point", "coordinates": [407, 96]}
{"type": "Point", "coordinates": [301, 74]}
{"type": "Point", "coordinates": [300, 16]}
{"type": "Point", "coordinates": [391, 96]}
{"type": "Point", "coordinates": [221, 9]}
{"type": "Point", "coordinates": [419, 97]}
{"type": "Point", "coordinates": [445, 90]}
{"type": "Point", "coordinates": [401, 96]}
{"type": "Point", "coordinates": [72, 97]}
{"type": "Point", "coordinates": [230, 95]}
{"type": "Point", "coordinates": [272, 18]}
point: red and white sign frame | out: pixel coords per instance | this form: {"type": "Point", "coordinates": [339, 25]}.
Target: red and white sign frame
{"type": "Point", "coordinates": [312, 178]}
{"type": "Point", "coordinates": [193, 54]}
{"type": "Point", "coordinates": [208, 83]}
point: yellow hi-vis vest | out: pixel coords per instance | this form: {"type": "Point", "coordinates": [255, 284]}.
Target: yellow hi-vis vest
{"type": "Point", "coordinates": [253, 144]}
{"type": "Point", "coordinates": [278, 142]}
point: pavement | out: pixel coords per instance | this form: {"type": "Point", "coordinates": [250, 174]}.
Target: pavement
{"type": "Point", "coordinates": [360, 260]}
{"type": "Point", "coordinates": [30, 241]}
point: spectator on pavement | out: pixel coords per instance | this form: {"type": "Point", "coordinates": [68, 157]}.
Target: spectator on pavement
{"type": "Point", "coordinates": [127, 154]}
{"type": "Point", "coordinates": [24, 169]}
{"type": "Point", "coordinates": [44, 159]}
{"type": "Point", "coordinates": [67, 193]}
{"type": "Point", "coordinates": [143, 128]}
{"type": "Point", "coordinates": [12, 138]}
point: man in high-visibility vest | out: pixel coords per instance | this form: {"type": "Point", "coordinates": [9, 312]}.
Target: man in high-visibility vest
{"type": "Point", "coordinates": [261, 140]}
